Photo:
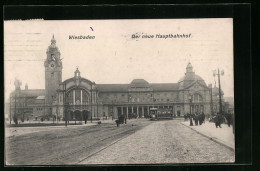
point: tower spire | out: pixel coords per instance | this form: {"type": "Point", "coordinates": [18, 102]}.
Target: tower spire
{"type": "Point", "coordinates": [189, 68]}
{"type": "Point", "coordinates": [53, 41]}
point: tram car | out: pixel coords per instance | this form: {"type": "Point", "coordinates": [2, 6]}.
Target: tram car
{"type": "Point", "coordinates": [160, 113]}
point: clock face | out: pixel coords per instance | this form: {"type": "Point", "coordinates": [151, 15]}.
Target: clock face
{"type": "Point", "coordinates": [52, 65]}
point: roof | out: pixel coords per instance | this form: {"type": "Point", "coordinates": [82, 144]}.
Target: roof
{"type": "Point", "coordinates": [190, 77]}
{"type": "Point", "coordinates": [32, 92]}
{"type": "Point", "coordinates": [139, 83]}
{"type": "Point", "coordinates": [124, 87]}
{"type": "Point", "coordinates": [112, 87]}
{"type": "Point", "coordinates": [189, 65]}
{"type": "Point", "coordinates": [72, 79]}
{"type": "Point", "coordinates": [165, 86]}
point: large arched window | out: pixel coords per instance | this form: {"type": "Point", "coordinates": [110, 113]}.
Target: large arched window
{"type": "Point", "coordinates": [77, 97]}
{"type": "Point", "coordinates": [196, 98]}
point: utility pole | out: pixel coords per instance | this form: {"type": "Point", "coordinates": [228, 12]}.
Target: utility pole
{"type": "Point", "coordinates": [10, 110]}
{"type": "Point", "coordinates": [211, 100]}
{"type": "Point", "coordinates": [15, 109]}
{"type": "Point", "coordinates": [91, 104]}
{"type": "Point", "coordinates": [220, 100]}
{"type": "Point", "coordinates": [219, 89]}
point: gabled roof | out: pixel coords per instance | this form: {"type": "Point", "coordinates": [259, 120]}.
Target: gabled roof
{"type": "Point", "coordinates": [202, 83]}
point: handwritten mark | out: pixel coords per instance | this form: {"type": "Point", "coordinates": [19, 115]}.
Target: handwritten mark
{"type": "Point", "coordinates": [91, 28]}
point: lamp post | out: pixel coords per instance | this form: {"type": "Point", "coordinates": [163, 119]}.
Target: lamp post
{"type": "Point", "coordinates": [190, 98]}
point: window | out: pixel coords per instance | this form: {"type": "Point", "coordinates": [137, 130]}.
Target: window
{"type": "Point", "coordinates": [85, 97]}
{"type": "Point", "coordinates": [52, 74]}
{"type": "Point", "coordinates": [78, 94]}
{"type": "Point", "coordinates": [70, 97]}
{"type": "Point", "coordinates": [196, 98]}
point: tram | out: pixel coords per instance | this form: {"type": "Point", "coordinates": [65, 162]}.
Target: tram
{"type": "Point", "coordinates": [160, 113]}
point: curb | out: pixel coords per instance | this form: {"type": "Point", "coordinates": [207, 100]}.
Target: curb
{"type": "Point", "coordinates": [212, 139]}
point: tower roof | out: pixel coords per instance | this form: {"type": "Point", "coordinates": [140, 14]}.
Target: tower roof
{"type": "Point", "coordinates": [189, 65]}
{"type": "Point", "coordinates": [189, 68]}
{"type": "Point", "coordinates": [53, 41]}
{"type": "Point", "coordinates": [77, 73]}
{"type": "Point", "coordinates": [53, 44]}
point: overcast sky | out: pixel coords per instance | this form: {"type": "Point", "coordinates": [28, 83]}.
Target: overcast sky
{"type": "Point", "coordinates": [114, 57]}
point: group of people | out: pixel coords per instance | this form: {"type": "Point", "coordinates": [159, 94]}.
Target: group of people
{"type": "Point", "coordinates": [217, 118]}
{"type": "Point", "coordinates": [198, 118]}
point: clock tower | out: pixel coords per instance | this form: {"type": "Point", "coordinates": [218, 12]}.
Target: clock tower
{"type": "Point", "coordinates": [53, 74]}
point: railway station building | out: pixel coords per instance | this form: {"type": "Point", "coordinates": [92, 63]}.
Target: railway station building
{"type": "Point", "coordinates": [78, 97]}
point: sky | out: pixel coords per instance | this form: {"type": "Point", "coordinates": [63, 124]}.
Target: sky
{"type": "Point", "coordinates": [114, 56]}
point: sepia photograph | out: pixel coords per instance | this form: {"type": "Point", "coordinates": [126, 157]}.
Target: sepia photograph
{"type": "Point", "coordinates": [116, 92]}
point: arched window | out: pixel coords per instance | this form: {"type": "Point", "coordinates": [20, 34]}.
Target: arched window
{"type": "Point", "coordinates": [77, 96]}
{"type": "Point", "coordinates": [85, 97]}
{"type": "Point", "coordinates": [70, 97]}
{"type": "Point", "coordinates": [196, 98]}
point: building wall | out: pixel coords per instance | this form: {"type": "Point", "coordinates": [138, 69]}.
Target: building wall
{"type": "Point", "coordinates": [139, 97]}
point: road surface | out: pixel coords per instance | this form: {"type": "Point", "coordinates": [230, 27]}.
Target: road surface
{"type": "Point", "coordinates": [163, 142]}
{"type": "Point", "coordinates": [140, 141]}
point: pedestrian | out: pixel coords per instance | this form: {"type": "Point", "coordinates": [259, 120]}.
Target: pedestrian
{"type": "Point", "coordinates": [218, 121]}
{"type": "Point", "coordinates": [203, 117]}
{"type": "Point", "coordinates": [117, 123]}
{"type": "Point", "coordinates": [191, 123]}
{"type": "Point", "coordinates": [196, 119]}
{"type": "Point", "coordinates": [229, 118]}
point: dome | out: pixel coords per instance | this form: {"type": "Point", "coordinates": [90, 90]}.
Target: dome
{"type": "Point", "coordinates": [190, 77]}
{"type": "Point", "coordinates": [139, 83]}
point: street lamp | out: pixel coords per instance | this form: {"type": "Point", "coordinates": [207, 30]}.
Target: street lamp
{"type": "Point", "coordinates": [190, 98]}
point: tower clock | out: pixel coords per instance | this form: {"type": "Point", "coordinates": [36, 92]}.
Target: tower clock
{"type": "Point", "coordinates": [53, 74]}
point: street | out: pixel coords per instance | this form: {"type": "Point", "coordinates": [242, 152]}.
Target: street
{"type": "Point", "coordinates": [139, 141]}
{"type": "Point", "coordinates": [163, 142]}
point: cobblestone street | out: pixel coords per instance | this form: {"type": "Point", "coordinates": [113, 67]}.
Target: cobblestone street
{"type": "Point", "coordinates": [163, 142]}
